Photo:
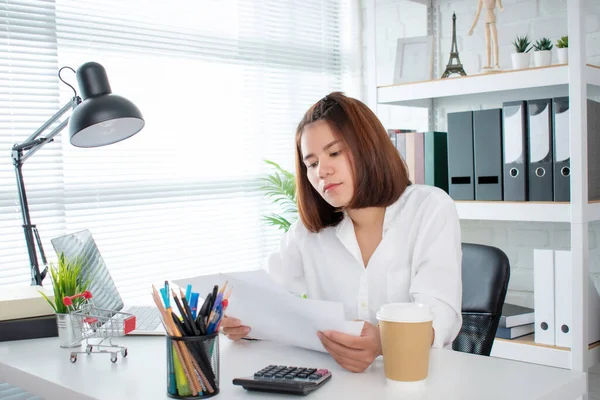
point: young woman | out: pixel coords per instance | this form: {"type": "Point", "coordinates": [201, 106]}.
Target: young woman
{"type": "Point", "coordinates": [366, 236]}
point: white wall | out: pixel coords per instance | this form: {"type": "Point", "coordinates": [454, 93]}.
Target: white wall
{"type": "Point", "coordinates": [536, 18]}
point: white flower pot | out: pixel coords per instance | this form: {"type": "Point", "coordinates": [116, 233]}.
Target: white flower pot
{"type": "Point", "coordinates": [520, 60]}
{"type": "Point", "coordinates": [542, 58]}
{"type": "Point", "coordinates": [563, 55]}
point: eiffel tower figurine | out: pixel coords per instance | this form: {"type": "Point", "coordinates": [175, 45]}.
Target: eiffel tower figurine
{"type": "Point", "coordinates": [452, 68]}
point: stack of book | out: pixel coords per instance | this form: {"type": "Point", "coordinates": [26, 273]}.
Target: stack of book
{"type": "Point", "coordinates": [516, 321]}
{"type": "Point", "coordinates": [25, 314]}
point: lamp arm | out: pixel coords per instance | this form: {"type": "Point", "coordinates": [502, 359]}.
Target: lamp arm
{"type": "Point", "coordinates": [30, 146]}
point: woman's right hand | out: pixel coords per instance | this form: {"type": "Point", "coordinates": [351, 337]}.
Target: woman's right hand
{"type": "Point", "coordinates": [233, 328]}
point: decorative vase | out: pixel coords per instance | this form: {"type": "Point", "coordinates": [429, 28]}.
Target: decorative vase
{"type": "Point", "coordinates": [563, 55]}
{"type": "Point", "coordinates": [67, 333]}
{"type": "Point", "coordinates": [542, 58]}
{"type": "Point", "coordinates": [520, 60]}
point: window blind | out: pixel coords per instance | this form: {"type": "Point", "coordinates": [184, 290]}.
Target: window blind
{"type": "Point", "coordinates": [222, 86]}
{"type": "Point", "coordinates": [28, 97]}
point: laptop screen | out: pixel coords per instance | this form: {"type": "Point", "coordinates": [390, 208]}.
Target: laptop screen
{"type": "Point", "coordinates": [103, 289]}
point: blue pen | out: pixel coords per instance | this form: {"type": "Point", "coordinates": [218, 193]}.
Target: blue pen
{"type": "Point", "coordinates": [213, 324]}
{"type": "Point", "coordinates": [188, 293]}
{"type": "Point", "coordinates": [194, 304]}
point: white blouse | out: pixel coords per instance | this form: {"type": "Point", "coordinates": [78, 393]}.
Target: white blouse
{"type": "Point", "coordinates": [417, 260]}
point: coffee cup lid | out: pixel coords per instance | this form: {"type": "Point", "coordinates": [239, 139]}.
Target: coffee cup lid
{"type": "Point", "coordinates": [405, 312]}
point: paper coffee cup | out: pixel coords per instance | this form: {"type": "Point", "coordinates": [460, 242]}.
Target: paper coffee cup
{"type": "Point", "coordinates": [406, 335]}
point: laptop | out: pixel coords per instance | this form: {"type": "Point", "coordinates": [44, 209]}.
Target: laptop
{"type": "Point", "coordinates": [103, 288]}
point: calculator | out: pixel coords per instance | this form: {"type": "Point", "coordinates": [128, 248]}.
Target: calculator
{"type": "Point", "coordinates": [284, 379]}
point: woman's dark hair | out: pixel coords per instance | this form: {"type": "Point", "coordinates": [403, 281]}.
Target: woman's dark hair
{"type": "Point", "coordinates": [380, 174]}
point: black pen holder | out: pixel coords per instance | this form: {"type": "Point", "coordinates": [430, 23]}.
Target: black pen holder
{"type": "Point", "coordinates": [193, 366]}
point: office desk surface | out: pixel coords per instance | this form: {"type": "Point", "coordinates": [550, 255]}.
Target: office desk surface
{"type": "Point", "coordinates": [41, 367]}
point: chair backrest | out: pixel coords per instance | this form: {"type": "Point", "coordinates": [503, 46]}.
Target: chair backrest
{"type": "Point", "coordinates": [485, 276]}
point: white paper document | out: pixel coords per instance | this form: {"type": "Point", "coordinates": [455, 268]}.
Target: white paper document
{"type": "Point", "coordinates": [271, 312]}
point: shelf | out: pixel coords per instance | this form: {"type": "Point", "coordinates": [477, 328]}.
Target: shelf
{"type": "Point", "coordinates": [523, 84]}
{"type": "Point", "coordinates": [527, 211]}
{"type": "Point", "coordinates": [514, 211]}
{"type": "Point", "coordinates": [525, 349]}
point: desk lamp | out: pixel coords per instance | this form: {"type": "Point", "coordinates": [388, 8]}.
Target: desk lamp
{"type": "Point", "coordinates": [101, 118]}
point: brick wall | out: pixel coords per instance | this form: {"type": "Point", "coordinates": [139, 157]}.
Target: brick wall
{"type": "Point", "coordinates": [536, 18]}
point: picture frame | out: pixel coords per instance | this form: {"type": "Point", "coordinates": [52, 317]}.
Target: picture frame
{"type": "Point", "coordinates": [414, 59]}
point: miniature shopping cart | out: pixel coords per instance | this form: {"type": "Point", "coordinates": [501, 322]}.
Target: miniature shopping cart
{"type": "Point", "coordinates": [89, 322]}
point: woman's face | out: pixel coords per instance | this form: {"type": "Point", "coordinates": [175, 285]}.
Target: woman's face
{"type": "Point", "coordinates": [327, 162]}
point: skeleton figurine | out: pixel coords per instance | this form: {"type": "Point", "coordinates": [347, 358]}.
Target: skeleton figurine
{"type": "Point", "coordinates": [490, 25]}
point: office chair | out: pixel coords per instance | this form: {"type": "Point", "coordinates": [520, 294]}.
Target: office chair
{"type": "Point", "coordinates": [485, 275]}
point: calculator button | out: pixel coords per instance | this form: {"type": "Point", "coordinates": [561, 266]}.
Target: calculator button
{"type": "Point", "coordinates": [323, 371]}
{"type": "Point", "coordinates": [258, 374]}
{"type": "Point", "coordinates": [302, 376]}
{"type": "Point", "coordinates": [279, 376]}
{"type": "Point", "coordinates": [268, 375]}
{"type": "Point", "coordinates": [288, 376]}
{"type": "Point", "coordinates": [315, 377]}
{"type": "Point", "coordinates": [310, 371]}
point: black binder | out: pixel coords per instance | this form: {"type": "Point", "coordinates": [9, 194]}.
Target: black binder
{"type": "Point", "coordinates": [460, 155]}
{"type": "Point", "coordinates": [540, 167]}
{"type": "Point", "coordinates": [487, 143]}
{"type": "Point", "coordinates": [514, 150]}
{"type": "Point", "coordinates": [562, 156]}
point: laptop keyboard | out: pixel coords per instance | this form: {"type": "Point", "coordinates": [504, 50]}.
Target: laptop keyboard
{"type": "Point", "coordinates": [147, 318]}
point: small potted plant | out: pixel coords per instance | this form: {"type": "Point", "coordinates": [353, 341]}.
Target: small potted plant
{"type": "Point", "coordinates": [67, 280]}
{"type": "Point", "coordinates": [563, 50]}
{"type": "Point", "coordinates": [520, 59]}
{"type": "Point", "coordinates": [542, 56]}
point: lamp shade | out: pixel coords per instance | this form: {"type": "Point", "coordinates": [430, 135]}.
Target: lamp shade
{"type": "Point", "coordinates": [102, 118]}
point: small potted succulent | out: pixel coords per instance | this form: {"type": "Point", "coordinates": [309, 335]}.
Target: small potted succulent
{"type": "Point", "coordinates": [520, 59]}
{"type": "Point", "coordinates": [563, 50]}
{"type": "Point", "coordinates": [542, 55]}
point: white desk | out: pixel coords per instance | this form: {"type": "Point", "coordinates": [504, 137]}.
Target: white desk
{"type": "Point", "coordinates": [42, 368]}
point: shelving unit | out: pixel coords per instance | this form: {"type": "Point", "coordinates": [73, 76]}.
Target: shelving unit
{"type": "Point", "coordinates": [525, 349]}
{"type": "Point", "coordinates": [524, 84]}
{"type": "Point", "coordinates": [577, 80]}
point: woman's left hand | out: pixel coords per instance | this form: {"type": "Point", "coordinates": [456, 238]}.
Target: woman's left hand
{"type": "Point", "coordinates": [354, 353]}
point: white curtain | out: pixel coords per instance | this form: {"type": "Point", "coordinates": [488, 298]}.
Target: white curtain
{"type": "Point", "coordinates": [222, 86]}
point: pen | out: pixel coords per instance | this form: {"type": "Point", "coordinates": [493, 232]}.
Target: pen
{"type": "Point", "coordinates": [217, 302]}
{"type": "Point", "coordinates": [213, 298]}
{"type": "Point", "coordinates": [180, 325]}
{"type": "Point", "coordinates": [186, 321]}
{"type": "Point", "coordinates": [194, 304]}
{"type": "Point", "coordinates": [189, 316]}
{"type": "Point", "coordinates": [224, 304]}
{"type": "Point", "coordinates": [201, 318]}
{"type": "Point", "coordinates": [188, 293]}
{"type": "Point", "coordinates": [205, 307]}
